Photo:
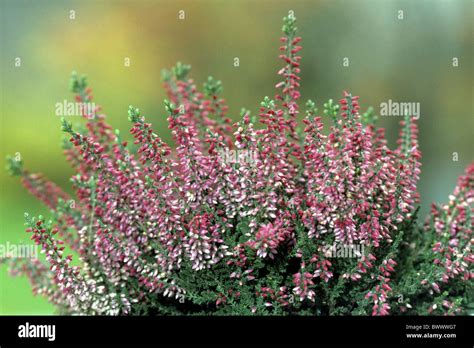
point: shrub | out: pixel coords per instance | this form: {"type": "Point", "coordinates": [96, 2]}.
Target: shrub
{"type": "Point", "coordinates": [268, 220]}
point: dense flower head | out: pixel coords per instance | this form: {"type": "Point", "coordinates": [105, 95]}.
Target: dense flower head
{"type": "Point", "coordinates": [183, 228]}
{"type": "Point", "coordinates": [451, 253]}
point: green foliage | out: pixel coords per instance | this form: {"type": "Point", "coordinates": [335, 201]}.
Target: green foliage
{"type": "Point", "coordinates": [289, 25]}
{"type": "Point", "coordinates": [133, 114]}
{"type": "Point", "coordinates": [212, 87]}
{"type": "Point", "coordinates": [77, 84]}
{"type": "Point", "coordinates": [14, 165]}
{"type": "Point", "coordinates": [331, 109]}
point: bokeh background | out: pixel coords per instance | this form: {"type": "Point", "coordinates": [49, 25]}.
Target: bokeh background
{"type": "Point", "coordinates": [406, 60]}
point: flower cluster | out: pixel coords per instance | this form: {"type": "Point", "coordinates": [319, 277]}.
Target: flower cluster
{"type": "Point", "coordinates": [163, 229]}
{"type": "Point", "coordinates": [451, 253]}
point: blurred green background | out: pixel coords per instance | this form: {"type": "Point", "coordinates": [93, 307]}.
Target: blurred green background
{"type": "Point", "coordinates": [406, 60]}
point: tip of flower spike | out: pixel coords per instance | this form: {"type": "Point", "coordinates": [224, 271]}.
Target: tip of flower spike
{"type": "Point", "coordinates": [244, 112]}
{"type": "Point", "coordinates": [77, 84]}
{"type": "Point", "coordinates": [212, 87]}
{"type": "Point", "coordinates": [311, 108]}
{"type": "Point", "coordinates": [268, 103]}
{"type": "Point", "coordinates": [14, 165]}
{"type": "Point", "coordinates": [133, 114]}
{"type": "Point", "coordinates": [66, 126]}
{"type": "Point", "coordinates": [166, 75]}
{"type": "Point", "coordinates": [29, 220]}
{"type": "Point", "coordinates": [331, 109]}
{"type": "Point", "coordinates": [180, 71]}
{"type": "Point", "coordinates": [289, 27]}
{"type": "Point", "coordinates": [169, 106]}
{"type": "Point", "coordinates": [369, 117]}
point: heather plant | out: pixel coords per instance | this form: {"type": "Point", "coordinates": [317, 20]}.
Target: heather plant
{"type": "Point", "coordinates": [184, 229]}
